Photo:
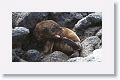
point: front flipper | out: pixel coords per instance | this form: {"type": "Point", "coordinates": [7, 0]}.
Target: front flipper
{"type": "Point", "coordinates": [71, 43]}
{"type": "Point", "coordinates": [48, 47]}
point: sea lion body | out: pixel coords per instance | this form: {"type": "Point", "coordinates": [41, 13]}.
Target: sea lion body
{"type": "Point", "coordinates": [57, 38]}
{"type": "Point", "coordinates": [60, 45]}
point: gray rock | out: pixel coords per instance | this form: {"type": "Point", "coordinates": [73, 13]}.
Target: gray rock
{"type": "Point", "coordinates": [84, 14]}
{"type": "Point", "coordinates": [91, 31]}
{"type": "Point", "coordinates": [94, 19]}
{"type": "Point", "coordinates": [99, 33]}
{"type": "Point", "coordinates": [88, 26]}
{"type": "Point", "coordinates": [15, 58]}
{"type": "Point", "coordinates": [22, 38]}
{"type": "Point", "coordinates": [17, 54]}
{"type": "Point", "coordinates": [18, 51]}
{"type": "Point", "coordinates": [31, 42]}
{"type": "Point", "coordinates": [75, 54]}
{"type": "Point", "coordinates": [99, 45]}
{"type": "Point", "coordinates": [19, 34]}
{"type": "Point", "coordinates": [88, 45]}
{"type": "Point", "coordinates": [28, 19]}
{"type": "Point", "coordinates": [95, 57]}
{"type": "Point", "coordinates": [76, 59]}
{"type": "Point", "coordinates": [67, 19]}
{"type": "Point", "coordinates": [17, 17]}
{"type": "Point", "coordinates": [56, 56]}
{"type": "Point", "coordinates": [33, 56]}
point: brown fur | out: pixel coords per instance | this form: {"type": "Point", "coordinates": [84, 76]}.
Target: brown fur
{"type": "Point", "coordinates": [70, 34]}
{"type": "Point", "coordinates": [56, 37]}
{"type": "Point", "coordinates": [47, 29]}
{"type": "Point", "coordinates": [58, 45]}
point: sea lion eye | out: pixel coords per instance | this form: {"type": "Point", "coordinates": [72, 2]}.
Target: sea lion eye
{"type": "Point", "coordinates": [45, 30]}
{"type": "Point", "coordinates": [53, 29]}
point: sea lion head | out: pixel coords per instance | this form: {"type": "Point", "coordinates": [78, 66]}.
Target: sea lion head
{"type": "Point", "coordinates": [47, 29]}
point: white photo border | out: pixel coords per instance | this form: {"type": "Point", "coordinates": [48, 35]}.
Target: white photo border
{"type": "Point", "coordinates": [104, 67]}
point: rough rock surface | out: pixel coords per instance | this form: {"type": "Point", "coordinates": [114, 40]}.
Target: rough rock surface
{"type": "Point", "coordinates": [95, 57]}
{"type": "Point", "coordinates": [18, 36]}
{"type": "Point", "coordinates": [17, 54]}
{"type": "Point", "coordinates": [15, 58]}
{"type": "Point", "coordinates": [91, 31]}
{"type": "Point", "coordinates": [66, 19]}
{"type": "Point", "coordinates": [99, 45]}
{"type": "Point", "coordinates": [75, 54]}
{"type": "Point", "coordinates": [99, 33]}
{"type": "Point", "coordinates": [32, 56]}
{"type": "Point", "coordinates": [56, 56]}
{"type": "Point", "coordinates": [94, 19]}
{"type": "Point", "coordinates": [89, 25]}
{"type": "Point", "coordinates": [31, 42]}
{"type": "Point", "coordinates": [19, 32]}
{"type": "Point", "coordinates": [17, 17]}
{"type": "Point", "coordinates": [88, 45]}
{"type": "Point", "coordinates": [28, 19]}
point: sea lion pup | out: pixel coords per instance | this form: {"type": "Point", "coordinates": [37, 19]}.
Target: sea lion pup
{"type": "Point", "coordinates": [56, 37]}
